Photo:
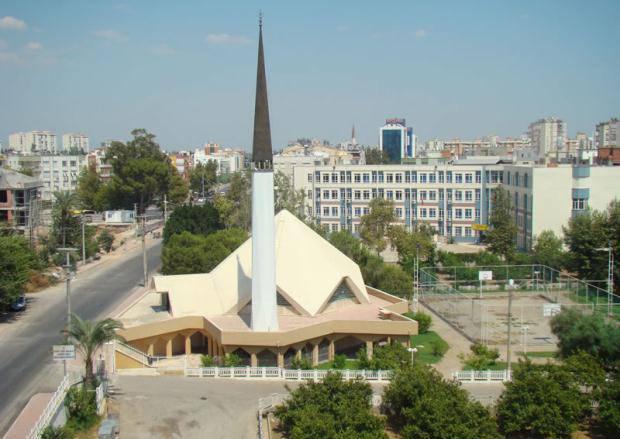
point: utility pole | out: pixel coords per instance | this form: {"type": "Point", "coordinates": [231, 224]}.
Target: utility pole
{"type": "Point", "coordinates": [144, 264]}
{"type": "Point", "coordinates": [165, 209]}
{"type": "Point", "coordinates": [509, 331]}
{"type": "Point", "coordinates": [83, 243]}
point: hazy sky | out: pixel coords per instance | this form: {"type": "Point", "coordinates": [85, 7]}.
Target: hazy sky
{"type": "Point", "coordinates": [186, 70]}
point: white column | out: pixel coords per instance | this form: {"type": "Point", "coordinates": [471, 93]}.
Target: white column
{"type": "Point", "coordinates": [264, 306]}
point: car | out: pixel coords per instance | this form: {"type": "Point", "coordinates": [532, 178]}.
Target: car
{"type": "Point", "coordinates": [19, 304]}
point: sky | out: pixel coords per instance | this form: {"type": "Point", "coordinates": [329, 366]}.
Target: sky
{"type": "Point", "coordinates": [186, 70]}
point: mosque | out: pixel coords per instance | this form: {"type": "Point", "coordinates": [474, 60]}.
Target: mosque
{"type": "Point", "coordinates": [283, 294]}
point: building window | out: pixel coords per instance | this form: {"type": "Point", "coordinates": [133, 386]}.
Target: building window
{"type": "Point", "coordinates": [478, 176]}
{"type": "Point", "coordinates": [326, 195]}
{"type": "Point", "coordinates": [423, 212]}
{"type": "Point", "coordinates": [432, 195]}
{"type": "Point", "coordinates": [414, 176]}
{"type": "Point", "coordinates": [448, 176]}
{"type": "Point", "coordinates": [334, 227]}
{"type": "Point", "coordinates": [458, 196]}
{"type": "Point", "coordinates": [389, 195]}
{"type": "Point", "coordinates": [407, 177]}
{"type": "Point", "coordinates": [326, 211]}
{"type": "Point", "coordinates": [380, 175]}
{"type": "Point", "coordinates": [468, 231]}
{"type": "Point", "coordinates": [357, 195]}
{"type": "Point", "coordinates": [358, 211]}
{"type": "Point", "coordinates": [580, 203]}
{"type": "Point", "coordinates": [432, 213]}
{"type": "Point", "coordinates": [366, 177]}
{"type": "Point", "coordinates": [366, 195]}
{"type": "Point", "coordinates": [526, 180]}
{"type": "Point", "coordinates": [309, 178]}
{"type": "Point", "coordinates": [440, 176]}
{"type": "Point", "coordinates": [477, 194]}
{"type": "Point", "coordinates": [422, 195]}
{"type": "Point", "coordinates": [399, 212]}
{"type": "Point", "coordinates": [458, 178]}
{"type": "Point", "coordinates": [366, 210]}
{"type": "Point", "coordinates": [325, 177]}
{"type": "Point", "coordinates": [508, 178]}
{"type": "Point", "coordinates": [457, 231]}
{"type": "Point", "coordinates": [468, 196]}
{"type": "Point", "coordinates": [422, 178]}
{"type": "Point", "coordinates": [398, 177]}
{"type": "Point", "coordinates": [334, 211]}
{"type": "Point", "coordinates": [458, 213]}
{"type": "Point", "coordinates": [309, 193]}
{"type": "Point", "coordinates": [357, 178]}
{"type": "Point", "coordinates": [399, 195]}
{"type": "Point", "coordinates": [3, 196]}
{"type": "Point", "coordinates": [468, 178]}
{"type": "Point", "coordinates": [432, 177]}
{"type": "Point", "coordinates": [441, 213]}
{"type": "Point", "coordinates": [468, 213]}
{"type": "Point", "coordinates": [389, 178]}
{"type": "Point", "coordinates": [334, 178]}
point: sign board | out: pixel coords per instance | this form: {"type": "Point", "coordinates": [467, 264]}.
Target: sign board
{"type": "Point", "coordinates": [480, 227]}
{"type": "Point", "coordinates": [551, 309]}
{"type": "Point", "coordinates": [485, 275]}
{"type": "Point", "coordinates": [64, 352]}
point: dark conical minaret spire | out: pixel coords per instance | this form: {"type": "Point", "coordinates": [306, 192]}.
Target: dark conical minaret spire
{"type": "Point", "coordinates": [261, 145]}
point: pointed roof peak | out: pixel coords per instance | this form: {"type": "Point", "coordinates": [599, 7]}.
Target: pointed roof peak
{"type": "Point", "coordinates": [262, 155]}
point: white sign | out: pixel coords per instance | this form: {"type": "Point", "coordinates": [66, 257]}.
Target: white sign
{"type": "Point", "coordinates": [551, 309]}
{"type": "Point", "coordinates": [485, 275]}
{"type": "Point", "coordinates": [64, 352]}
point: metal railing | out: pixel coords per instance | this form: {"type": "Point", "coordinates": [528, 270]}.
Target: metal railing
{"type": "Point", "coordinates": [52, 406]}
{"type": "Point", "coordinates": [481, 375]}
{"type": "Point", "coordinates": [284, 374]}
{"type": "Point", "coordinates": [138, 355]}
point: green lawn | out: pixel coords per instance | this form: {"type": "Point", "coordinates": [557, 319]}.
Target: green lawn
{"type": "Point", "coordinates": [499, 365]}
{"type": "Point", "coordinates": [425, 355]}
{"type": "Point", "coordinates": [543, 354]}
{"type": "Point", "coordinates": [350, 364]}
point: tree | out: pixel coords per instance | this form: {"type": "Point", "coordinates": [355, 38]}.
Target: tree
{"type": "Point", "coordinates": [375, 225]}
{"type": "Point", "coordinates": [17, 261]}
{"type": "Point", "coordinates": [548, 250]}
{"type": "Point", "coordinates": [239, 195]}
{"type": "Point", "coordinates": [589, 333]}
{"type": "Point", "coordinates": [88, 187]}
{"type": "Point", "coordinates": [388, 357]}
{"type": "Point", "coordinates": [65, 225]}
{"type": "Point", "coordinates": [203, 177]}
{"type": "Point", "coordinates": [105, 240]}
{"type": "Point", "coordinates": [394, 280]}
{"type": "Point", "coordinates": [501, 237]}
{"type": "Point", "coordinates": [88, 337]}
{"type": "Point", "coordinates": [418, 242]}
{"type": "Point", "coordinates": [420, 404]}
{"type": "Point", "coordinates": [202, 220]}
{"type": "Point", "coordinates": [331, 409]}
{"type": "Point", "coordinates": [348, 244]}
{"type": "Point", "coordinates": [609, 406]}
{"type": "Point", "coordinates": [481, 357]}
{"type": "Point", "coordinates": [142, 173]}
{"type": "Point", "coordinates": [540, 402]}
{"type": "Point", "coordinates": [286, 197]}
{"type": "Point", "coordinates": [187, 253]}
{"type": "Point", "coordinates": [589, 231]}
{"type": "Point", "coordinates": [375, 156]}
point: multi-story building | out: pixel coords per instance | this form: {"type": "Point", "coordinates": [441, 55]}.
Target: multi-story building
{"type": "Point", "coordinates": [17, 194]}
{"type": "Point", "coordinates": [182, 161]}
{"type": "Point", "coordinates": [228, 160]}
{"type": "Point", "coordinates": [545, 197]}
{"type": "Point", "coordinates": [608, 134]}
{"type": "Point", "coordinates": [397, 140]}
{"type": "Point", "coordinates": [547, 135]}
{"type": "Point", "coordinates": [56, 172]}
{"type": "Point", "coordinates": [316, 155]}
{"type": "Point", "coordinates": [75, 142]}
{"type": "Point", "coordinates": [33, 142]}
{"type": "Point", "coordinates": [451, 198]}
{"type": "Point", "coordinates": [96, 160]}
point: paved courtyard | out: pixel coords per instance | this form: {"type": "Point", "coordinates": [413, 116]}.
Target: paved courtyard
{"type": "Point", "coordinates": [171, 407]}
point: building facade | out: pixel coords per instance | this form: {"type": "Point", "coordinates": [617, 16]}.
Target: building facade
{"type": "Point", "coordinates": [75, 142]}
{"type": "Point", "coordinates": [33, 142]}
{"type": "Point", "coordinates": [546, 135]}
{"type": "Point", "coordinates": [18, 192]}
{"type": "Point", "coordinates": [607, 134]}
{"type": "Point", "coordinates": [397, 140]}
{"type": "Point", "coordinates": [450, 198]}
{"type": "Point", "coordinates": [228, 160]}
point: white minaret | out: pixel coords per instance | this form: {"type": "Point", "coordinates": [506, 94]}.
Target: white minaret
{"type": "Point", "coordinates": [264, 295]}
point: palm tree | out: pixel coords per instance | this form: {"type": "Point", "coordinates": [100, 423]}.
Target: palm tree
{"type": "Point", "coordinates": [88, 337]}
{"type": "Point", "coordinates": [64, 203]}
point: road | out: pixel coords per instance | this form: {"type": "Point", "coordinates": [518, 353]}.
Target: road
{"type": "Point", "coordinates": [26, 365]}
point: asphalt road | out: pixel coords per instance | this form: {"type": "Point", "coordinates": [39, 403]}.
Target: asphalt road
{"type": "Point", "coordinates": [26, 365]}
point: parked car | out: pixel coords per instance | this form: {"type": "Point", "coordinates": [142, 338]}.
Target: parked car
{"type": "Point", "coordinates": [19, 304]}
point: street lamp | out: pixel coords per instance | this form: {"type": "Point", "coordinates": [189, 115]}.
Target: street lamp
{"type": "Point", "coordinates": [610, 274]}
{"type": "Point", "coordinates": [413, 351]}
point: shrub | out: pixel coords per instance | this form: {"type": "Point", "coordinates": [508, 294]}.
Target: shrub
{"type": "Point", "coordinates": [105, 240]}
{"type": "Point", "coordinates": [439, 348]}
{"type": "Point", "coordinates": [424, 321]}
{"type": "Point", "coordinates": [207, 361]}
{"type": "Point", "coordinates": [339, 362]}
{"type": "Point", "coordinates": [81, 407]}
{"type": "Point", "coordinates": [52, 432]}
{"type": "Point", "coordinates": [301, 363]}
{"type": "Point", "coordinates": [232, 360]}
{"type": "Point", "coordinates": [388, 357]}
{"type": "Point", "coordinates": [480, 358]}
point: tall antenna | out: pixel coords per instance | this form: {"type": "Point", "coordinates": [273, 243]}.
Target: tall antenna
{"type": "Point", "coordinates": [260, 18]}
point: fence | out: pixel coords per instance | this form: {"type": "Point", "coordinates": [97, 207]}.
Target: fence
{"type": "Point", "coordinates": [136, 354]}
{"type": "Point", "coordinates": [481, 375]}
{"type": "Point", "coordinates": [284, 374]}
{"type": "Point", "coordinates": [52, 406]}
{"type": "Point", "coordinates": [479, 309]}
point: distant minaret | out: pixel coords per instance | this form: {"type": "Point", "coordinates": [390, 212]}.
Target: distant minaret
{"type": "Point", "coordinates": [264, 300]}
{"type": "Point", "coordinates": [353, 140]}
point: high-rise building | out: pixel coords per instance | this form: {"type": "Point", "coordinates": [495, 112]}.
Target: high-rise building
{"type": "Point", "coordinates": [547, 135]}
{"type": "Point", "coordinates": [75, 142]}
{"type": "Point", "coordinates": [33, 142]}
{"type": "Point", "coordinates": [397, 140]}
{"type": "Point", "coordinates": [607, 134]}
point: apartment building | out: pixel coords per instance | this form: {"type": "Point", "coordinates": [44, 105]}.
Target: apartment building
{"type": "Point", "coordinates": [545, 198]}
{"type": "Point", "coordinates": [608, 134]}
{"type": "Point", "coordinates": [75, 142]}
{"type": "Point", "coordinates": [547, 135]}
{"type": "Point", "coordinates": [56, 172]}
{"type": "Point", "coordinates": [17, 193]}
{"type": "Point", "coordinates": [228, 160]}
{"type": "Point", "coordinates": [33, 142]}
{"type": "Point", "coordinates": [451, 198]}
